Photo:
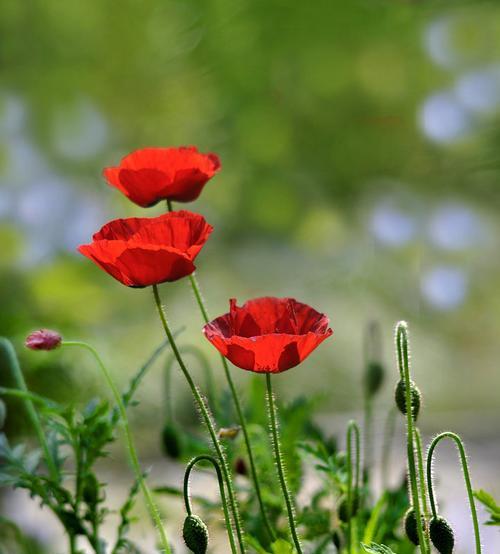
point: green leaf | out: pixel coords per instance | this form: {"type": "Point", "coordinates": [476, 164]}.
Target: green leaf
{"type": "Point", "coordinates": [374, 548]}
{"type": "Point", "coordinates": [491, 505]}
{"type": "Point", "coordinates": [282, 547]}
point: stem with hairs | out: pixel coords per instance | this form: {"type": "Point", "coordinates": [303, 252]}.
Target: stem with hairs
{"type": "Point", "coordinates": [220, 479]}
{"type": "Point", "coordinates": [404, 370]}
{"type": "Point", "coordinates": [465, 468]}
{"type": "Point", "coordinates": [273, 419]}
{"type": "Point", "coordinates": [206, 416]}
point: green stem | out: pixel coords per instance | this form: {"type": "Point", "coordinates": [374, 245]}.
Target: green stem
{"type": "Point", "coordinates": [352, 427]}
{"type": "Point", "coordinates": [187, 496]}
{"type": "Point", "coordinates": [421, 480]}
{"type": "Point", "coordinates": [239, 411]}
{"type": "Point", "coordinates": [26, 395]}
{"type": "Point", "coordinates": [272, 409]}
{"type": "Point", "coordinates": [465, 468]}
{"type": "Point", "coordinates": [153, 510]}
{"type": "Point", "coordinates": [207, 418]}
{"type": "Point", "coordinates": [18, 376]}
{"type": "Point", "coordinates": [404, 369]}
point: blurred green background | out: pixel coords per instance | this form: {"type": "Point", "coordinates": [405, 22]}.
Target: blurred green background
{"type": "Point", "coordinates": [359, 141]}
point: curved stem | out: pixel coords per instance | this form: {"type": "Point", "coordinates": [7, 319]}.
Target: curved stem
{"type": "Point", "coordinates": [404, 370]}
{"type": "Point", "coordinates": [271, 405]}
{"type": "Point", "coordinates": [206, 416]}
{"type": "Point", "coordinates": [465, 468]}
{"type": "Point", "coordinates": [352, 427]}
{"type": "Point", "coordinates": [187, 497]}
{"type": "Point", "coordinates": [153, 510]}
{"type": "Point", "coordinates": [239, 411]}
{"type": "Point", "coordinates": [28, 398]}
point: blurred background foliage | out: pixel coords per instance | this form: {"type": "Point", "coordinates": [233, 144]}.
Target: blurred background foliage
{"type": "Point", "coordinates": [359, 143]}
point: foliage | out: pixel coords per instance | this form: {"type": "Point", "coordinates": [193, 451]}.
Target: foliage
{"type": "Point", "coordinates": [491, 505]}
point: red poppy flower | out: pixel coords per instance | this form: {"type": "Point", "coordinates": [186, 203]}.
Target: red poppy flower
{"type": "Point", "coordinates": [149, 175]}
{"type": "Point", "coordinates": [268, 335]}
{"type": "Point", "coordinates": [143, 251]}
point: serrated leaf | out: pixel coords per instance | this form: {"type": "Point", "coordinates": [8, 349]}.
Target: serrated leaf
{"type": "Point", "coordinates": [374, 548]}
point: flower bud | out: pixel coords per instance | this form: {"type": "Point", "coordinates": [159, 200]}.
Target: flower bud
{"type": "Point", "coordinates": [228, 432]}
{"type": "Point", "coordinates": [240, 466]}
{"type": "Point", "coordinates": [172, 441]}
{"type": "Point", "coordinates": [374, 377]}
{"type": "Point", "coordinates": [441, 534]}
{"type": "Point", "coordinates": [336, 539]}
{"type": "Point", "coordinates": [400, 397]}
{"type": "Point", "coordinates": [410, 523]}
{"type": "Point", "coordinates": [195, 534]}
{"type": "Point", "coordinates": [343, 509]}
{"type": "Point", "coordinates": [44, 339]}
{"type": "Point", "coordinates": [90, 492]}
{"type": "Point", "coordinates": [3, 414]}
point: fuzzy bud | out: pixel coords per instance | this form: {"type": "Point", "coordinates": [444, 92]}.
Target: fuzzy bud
{"type": "Point", "coordinates": [44, 339]}
{"type": "Point", "coordinates": [400, 397]}
{"type": "Point", "coordinates": [410, 523]}
{"type": "Point", "coordinates": [195, 534]}
{"type": "Point", "coordinates": [442, 535]}
{"type": "Point", "coordinates": [172, 441]}
{"type": "Point", "coordinates": [374, 378]}
{"type": "Point", "coordinates": [3, 414]}
{"type": "Point", "coordinates": [343, 509]}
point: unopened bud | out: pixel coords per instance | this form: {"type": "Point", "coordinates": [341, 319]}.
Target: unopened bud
{"type": "Point", "coordinates": [400, 397]}
{"type": "Point", "coordinates": [336, 539]}
{"type": "Point", "coordinates": [441, 534]}
{"type": "Point", "coordinates": [374, 377]}
{"type": "Point", "coordinates": [172, 441]}
{"type": "Point", "coordinates": [411, 526]}
{"type": "Point", "coordinates": [195, 534]}
{"type": "Point", "coordinates": [343, 510]}
{"type": "Point", "coordinates": [240, 466]}
{"type": "Point", "coordinates": [44, 339]}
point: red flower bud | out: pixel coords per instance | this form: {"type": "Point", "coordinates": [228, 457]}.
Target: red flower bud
{"type": "Point", "coordinates": [44, 339]}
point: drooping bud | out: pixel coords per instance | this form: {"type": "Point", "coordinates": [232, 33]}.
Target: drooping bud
{"type": "Point", "coordinates": [400, 397]}
{"type": "Point", "coordinates": [172, 441]}
{"type": "Point", "coordinates": [336, 539]}
{"type": "Point", "coordinates": [442, 535]}
{"type": "Point", "coordinates": [240, 466]}
{"type": "Point", "coordinates": [43, 339]}
{"type": "Point", "coordinates": [3, 414]}
{"type": "Point", "coordinates": [343, 509]}
{"type": "Point", "coordinates": [410, 523]}
{"type": "Point", "coordinates": [374, 377]}
{"type": "Point", "coordinates": [195, 534]}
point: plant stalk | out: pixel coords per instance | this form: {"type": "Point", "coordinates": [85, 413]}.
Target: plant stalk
{"type": "Point", "coordinates": [153, 509]}
{"type": "Point", "coordinates": [271, 405]}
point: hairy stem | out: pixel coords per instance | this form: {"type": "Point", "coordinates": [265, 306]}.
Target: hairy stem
{"type": "Point", "coordinates": [465, 468]}
{"type": "Point", "coordinates": [153, 510]}
{"type": "Point", "coordinates": [272, 409]}
{"type": "Point", "coordinates": [404, 369]}
{"type": "Point", "coordinates": [187, 496]}
{"type": "Point", "coordinates": [18, 376]}
{"type": "Point", "coordinates": [421, 481]}
{"type": "Point", "coordinates": [207, 419]}
{"type": "Point", "coordinates": [239, 411]}
{"type": "Point", "coordinates": [352, 428]}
